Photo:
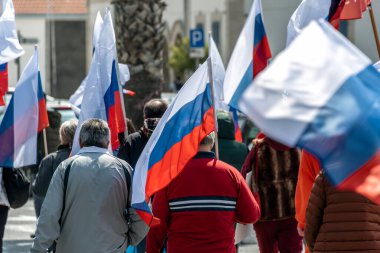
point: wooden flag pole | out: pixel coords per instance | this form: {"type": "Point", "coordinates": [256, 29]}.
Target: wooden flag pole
{"type": "Point", "coordinates": [209, 67]}
{"type": "Point", "coordinates": [45, 141]}
{"type": "Point", "coordinates": [371, 14]}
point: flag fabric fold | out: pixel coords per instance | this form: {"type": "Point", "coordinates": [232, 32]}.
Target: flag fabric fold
{"type": "Point", "coordinates": [3, 82]}
{"type": "Point", "coordinates": [323, 94]}
{"type": "Point", "coordinates": [101, 97]}
{"type": "Point", "coordinates": [24, 117]}
{"type": "Point", "coordinates": [76, 99]}
{"type": "Point", "coordinates": [218, 73]}
{"type": "Point", "coordinates": [188, 119]}
{"type": "Point", "coordinates": [250, 56]}
{"type": "Point", "coordinates": [310, 10]}
{"type": "Point", "coordinates": [10, 47]}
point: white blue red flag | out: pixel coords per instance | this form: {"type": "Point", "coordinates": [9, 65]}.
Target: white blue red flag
{"type": "Point", "coordinates": [10, 47]}
{"type": "Point", "coordinates": [322, 94]}
{"type": "Point", "coordinates": [218, 73]}
{"type": "Point", "coordinates": [250, 56]}
{"type": "Point", "coordinates": [25, 116]}
{"type": "Point", "coordinates": [310, 10]}
{"type": "Point", "coordinates": [102, 97]}
{"type": "Point", "coordinates": [77, 97]}
{"type": "Point", "coordinates": [377, 65]}
{"type": "Point", "coordinates": [188, 119]}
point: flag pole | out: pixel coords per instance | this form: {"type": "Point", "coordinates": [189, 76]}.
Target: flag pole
{"type": "Point", "coordinates": [209, 65]}
{"type": "Point", "coordinates": [45, 141]}
{"type": "Point", "coordinates": [372, 15]}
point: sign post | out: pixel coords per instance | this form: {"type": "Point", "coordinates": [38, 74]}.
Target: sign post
{"type": "Point", "coordinates": [197, 43]}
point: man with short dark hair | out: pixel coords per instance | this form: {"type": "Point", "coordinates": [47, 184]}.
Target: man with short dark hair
{"type": "Point", "coordinates": [84, 208]}
{"type": "Point", "coordinates": [199, 208]}
{"type": "Point", "coordinates": [135, 143]}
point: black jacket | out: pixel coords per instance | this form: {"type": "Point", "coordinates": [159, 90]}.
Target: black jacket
{"type": "Point", "coordinates": [47, 168]}
{"type": "Point", "coordinates": [133, 147]}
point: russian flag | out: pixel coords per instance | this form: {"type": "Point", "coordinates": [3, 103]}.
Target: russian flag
{"type": "Point", "coordinates": [250, 56]}
{"type": "Point", "coordinates": [114, 110]}
{"type": "Point", "coordinates": [323, 94]}
{"type": "Point", "coordinates": [310, 10]}
{"type": "Point", "coordinates": [218, 74]}
{"type": "Point", "coordinates": [10, 47]}
{"type": "Point", "coordinates": [101, 96]}
{"type": "Point", "coordinates": [188, 119]}
{"type": "Point", "coordinates": [3, 82]}
{"type": "Point", "coordinates": [24, 117]}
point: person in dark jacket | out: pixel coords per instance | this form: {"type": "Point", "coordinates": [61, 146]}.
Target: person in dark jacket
{"type": "Point", "coordinates": [134, 144]}
{"type": "Point", "coordinates": [50, 163]}
{"type": "Point", "coordinates": [230, 151]}
{"type": "Point", "coordinates": [274, 169]}
{"type": "Point", "coordinates": [341, 221]}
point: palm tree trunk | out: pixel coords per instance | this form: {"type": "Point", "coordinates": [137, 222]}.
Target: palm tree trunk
{"type": "Point", "coordinates": [140, 41]}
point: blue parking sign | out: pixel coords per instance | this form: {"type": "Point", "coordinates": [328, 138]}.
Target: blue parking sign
{"type": "Point", "coordinates": [197, 38]}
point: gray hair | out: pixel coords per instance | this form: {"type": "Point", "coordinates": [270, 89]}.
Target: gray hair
{"type": "Point", "coordinates": [94, 132]}
{"type": "Point", "coordinates": [208, 140]}
{"type": "Point", "coordinates": [67, 131]}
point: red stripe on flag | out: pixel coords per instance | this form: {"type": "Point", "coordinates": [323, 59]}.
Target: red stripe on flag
{"type": "Point", "coordinates": [3, 84]}
{"type": "Point", "coordinates": [43, 120]}
{"type": "Point", "coordinates": [148, 218]}
{"type": "Point", "coordinates": [238, 135]}
{"type": "Point", "coordinates": [116, 121]}
{"type": "Point", "coordinates": [365, 180]}
{"type": "Point", "coordinates": [164, 171]}
{"type": "Point", "coordinates": [261, 55]}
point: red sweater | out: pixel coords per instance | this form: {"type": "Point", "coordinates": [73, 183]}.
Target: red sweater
{"type": "Point", "coordinates": [199, 208]}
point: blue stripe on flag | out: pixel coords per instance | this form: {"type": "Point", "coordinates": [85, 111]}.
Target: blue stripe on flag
{"type": "Point", "coordinates": [3, 67]}
{"type": "Point", "coordinates": [259, 32]}
{"type": "Point", "coordinates": [346, 132]}
{"type": "Point", "coordinates": [40, 92]}
{"type": "Point", "coordinates": [142, 206]}
{"type": "Point", "coordinates": [244, 83]}
{"type": "Point", "coordinates": [180, 125]}
{"type": "Point", "coordinates": [7, 136]}
{"type": "Point", "coordinates": [109, 96]}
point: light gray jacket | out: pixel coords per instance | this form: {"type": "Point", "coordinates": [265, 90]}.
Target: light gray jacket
{"type": "Point", "coordinates": [93, 219]}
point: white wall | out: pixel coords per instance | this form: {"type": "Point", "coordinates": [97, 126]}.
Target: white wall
{"type": "Point", "coordinates": [32, 27]}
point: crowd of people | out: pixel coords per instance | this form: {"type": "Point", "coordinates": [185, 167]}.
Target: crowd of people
{"type": "Point", "coordinates": [83, 202]}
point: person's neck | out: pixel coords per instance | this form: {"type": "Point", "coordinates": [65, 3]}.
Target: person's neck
{"type": "Point", "coordinates": [204, 148]}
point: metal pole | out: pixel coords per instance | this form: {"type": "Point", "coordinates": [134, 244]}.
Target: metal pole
{"type": "Point", "coordinates": [209, 65]}
{"type": "Point", "coordinates": [374, 28]}
{"type": "Point", "coordinates": [186, 10]}
{"type": "Point", "coordinates": [45, 141]}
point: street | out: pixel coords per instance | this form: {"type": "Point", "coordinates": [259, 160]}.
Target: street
{"type": "Point", "coordinates": [22, 222]}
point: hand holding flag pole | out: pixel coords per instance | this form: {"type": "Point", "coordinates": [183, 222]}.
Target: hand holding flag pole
{"type": "Point", "coordinates": [211, 83]}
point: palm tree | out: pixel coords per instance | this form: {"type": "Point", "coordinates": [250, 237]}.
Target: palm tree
{"type": "Point", "coordinates": [140, 41]}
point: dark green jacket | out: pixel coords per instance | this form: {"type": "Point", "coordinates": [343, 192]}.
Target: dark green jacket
{"type": "Point", "coordinates": [230, 151]}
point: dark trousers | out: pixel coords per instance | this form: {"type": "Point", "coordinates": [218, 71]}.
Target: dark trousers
{"type": "Point", "coordinates": [278, 236]}
{"type": "Point", "coordinates": [3, 220]}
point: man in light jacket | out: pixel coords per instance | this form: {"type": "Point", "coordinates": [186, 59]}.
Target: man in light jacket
{"type": "Point", "coordinates": [88, 214]}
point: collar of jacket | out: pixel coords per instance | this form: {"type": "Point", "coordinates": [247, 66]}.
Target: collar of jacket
{"type": "Point", "coordinates": [93, 149]}
{"type": "Point", "coordinates": [204, 154]}
{"type": "Point", "coordinates": [63, 146]}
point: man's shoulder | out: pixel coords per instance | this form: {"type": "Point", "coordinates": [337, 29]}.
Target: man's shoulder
{"type": "Point", "coordinates": [134, 136]}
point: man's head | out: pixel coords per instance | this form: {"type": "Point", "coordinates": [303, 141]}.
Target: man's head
{"type": "Point", "coordinates": [153, 111]}
{"type": "Point", "coordinates": [207, 143]}
{"type": "Point", "coordinates": [155, 108]}
{"type": "Point", "coordinates": [94, 132]}
{"type": "Point", "coordinates": [67, 131]}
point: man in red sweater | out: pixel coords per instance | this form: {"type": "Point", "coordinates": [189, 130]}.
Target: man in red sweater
{"type": "Point", "coordinates": [199, 208]}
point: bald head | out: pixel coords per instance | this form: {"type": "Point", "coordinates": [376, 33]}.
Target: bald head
{"type": "Point", "coordinates": [155, 108]}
